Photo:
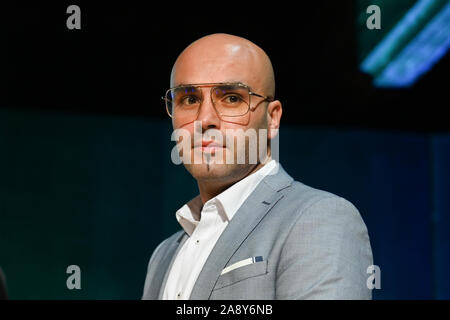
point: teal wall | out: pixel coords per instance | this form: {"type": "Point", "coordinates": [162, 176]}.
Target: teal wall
{"type": "Point", "coordinates": [98, 192]}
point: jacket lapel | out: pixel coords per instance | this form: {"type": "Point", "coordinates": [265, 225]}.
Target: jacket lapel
{"type": "Point", "coordinates": [166, 263]}
{"type": "Point", "coordinates": [252, 211]}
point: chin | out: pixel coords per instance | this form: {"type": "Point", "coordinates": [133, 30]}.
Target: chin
{"type": "Point", "coordinates": [212, 171]}
{"type": "Point", "coordinates": [204, 170]}
{"type": "Point", "coordinates": [217, 172]}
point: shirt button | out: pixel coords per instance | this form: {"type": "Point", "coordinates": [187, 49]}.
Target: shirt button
{"type": "Point", "coordinates": [178, 295]}
{"type": "Point", "coordinates": [197, 242]}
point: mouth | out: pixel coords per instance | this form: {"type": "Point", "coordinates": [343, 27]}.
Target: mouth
{"type": "Point", "coordinates": [209, 147]}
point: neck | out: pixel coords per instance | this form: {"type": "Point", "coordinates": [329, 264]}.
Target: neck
{"type": "Point", "coordinates": [211, 188]}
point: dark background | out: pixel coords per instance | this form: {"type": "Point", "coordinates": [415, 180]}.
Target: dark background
{"type": "Point", "coordinates": [119, 62]}
{"type": "Point", "coordinates": [85, 171]}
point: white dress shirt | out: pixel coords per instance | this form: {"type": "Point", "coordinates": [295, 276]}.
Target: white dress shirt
{"type": "Point", "coordinates": [204, 227]}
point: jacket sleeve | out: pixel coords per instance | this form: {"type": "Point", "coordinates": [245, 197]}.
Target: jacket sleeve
{"type": "Point", "coordinates": [326, 254]}
{"type": "Point", "coordinates": [148, 278]}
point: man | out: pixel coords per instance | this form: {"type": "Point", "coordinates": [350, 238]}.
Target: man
{"type": "Point", "coordinates": [252, 232]}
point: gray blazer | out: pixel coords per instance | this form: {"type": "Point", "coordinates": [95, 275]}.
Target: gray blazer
{"type": "Point", "coordinates": [309, 244]}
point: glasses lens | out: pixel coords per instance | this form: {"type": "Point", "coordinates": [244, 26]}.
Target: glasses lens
{"type": "Point", "coordinates": [231, 100]}
{"type": "Point", "coordinates": [183, 101]}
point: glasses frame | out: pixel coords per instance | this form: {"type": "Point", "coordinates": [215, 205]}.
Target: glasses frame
{"type": "Point", "coordinates": [214, 85]}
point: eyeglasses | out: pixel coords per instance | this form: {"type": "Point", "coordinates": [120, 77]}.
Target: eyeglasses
{"type": "Point", "coordinates": [230, 99]}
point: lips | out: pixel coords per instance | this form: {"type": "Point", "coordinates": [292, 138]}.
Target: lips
{"type": "Point", "coordinates": [210, 146]}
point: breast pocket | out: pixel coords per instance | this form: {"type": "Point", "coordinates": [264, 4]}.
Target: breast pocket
{"type": "Point", "coordinates": [242, 273]}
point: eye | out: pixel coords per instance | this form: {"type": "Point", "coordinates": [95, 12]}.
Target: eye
{"type": "Point", "coordinates": [189, 100]}
{"type": "Point", "coordinates": [232, 99]}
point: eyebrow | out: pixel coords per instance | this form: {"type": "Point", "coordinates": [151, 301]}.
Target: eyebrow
{"type": "Point", "coordinates": [184, 88]}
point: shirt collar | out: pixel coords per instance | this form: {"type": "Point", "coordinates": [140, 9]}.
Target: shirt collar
{"type": "Point", "coordinates": [227, 203]}
{"type": "Point", "coordinates": [233, 197]}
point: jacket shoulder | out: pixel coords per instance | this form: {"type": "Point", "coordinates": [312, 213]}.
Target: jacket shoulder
{"type": "Point", "coordinates": [176, 237]}
{"type": "Point", "coordinates": [303, 202]}
{"type": "Point", "coordinates": [328, 240]}
{"type": "Point", "coordinates": [304, 196]}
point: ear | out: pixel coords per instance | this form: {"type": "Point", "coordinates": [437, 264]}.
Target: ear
{"type": "Point", "coordinates": [274, 111]}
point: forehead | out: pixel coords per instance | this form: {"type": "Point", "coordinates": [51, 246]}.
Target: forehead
{"type": "Point", "coordinates": [197, 67]}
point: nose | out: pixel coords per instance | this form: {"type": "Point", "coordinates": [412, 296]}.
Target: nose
{"type": "Point", "coordinates": [207, 114]}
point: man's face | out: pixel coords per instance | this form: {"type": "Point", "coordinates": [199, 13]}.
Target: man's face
{"type": "Point", "coordinates": [217, 63]}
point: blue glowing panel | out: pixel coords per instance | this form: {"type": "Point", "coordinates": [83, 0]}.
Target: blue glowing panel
{"type": "Point", "coordinates": [419, 56]}
{"type": "Point", "coordinates": [380, 56]}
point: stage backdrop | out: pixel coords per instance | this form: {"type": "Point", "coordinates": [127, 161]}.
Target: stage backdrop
{"type": "Point", "coordinates": [101, 192]}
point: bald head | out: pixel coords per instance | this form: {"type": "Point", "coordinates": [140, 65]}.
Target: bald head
{"type": "Point", "coordinates": [225, 58]}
